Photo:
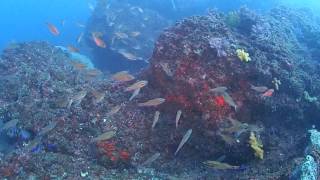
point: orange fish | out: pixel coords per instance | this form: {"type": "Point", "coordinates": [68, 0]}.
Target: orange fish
{"type": "Point", "coordinates": [152, 102]}
{"type": "Point", "coordinates": [268, 93]}
{"type": "Point", "coordinates": [123, 76]}
{"type": "Point", "coordinates": [99, 42]}
{"type": "Point", "coordinates": [78, 65]}
{"type": "Point", "coordinates": [137, 85]}
{"type": "Point", "coordinates": [53, 29]}
{"type": "Point", "coordinates": [73, 49]}
{"type": "Point", "coordinates": [93, 72]}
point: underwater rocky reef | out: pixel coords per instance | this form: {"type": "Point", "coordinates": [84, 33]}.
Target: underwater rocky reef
{"type": "Point", "coordinates": [226, 96]}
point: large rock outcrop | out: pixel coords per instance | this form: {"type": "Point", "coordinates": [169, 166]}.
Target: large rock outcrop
{"type": "Point", "coordinates": [66, 107]}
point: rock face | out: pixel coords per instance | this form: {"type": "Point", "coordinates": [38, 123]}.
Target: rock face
{"type": "Point", "coordinates": [199, 54]}
{"type": "Point", "coordinates": [196, 58]}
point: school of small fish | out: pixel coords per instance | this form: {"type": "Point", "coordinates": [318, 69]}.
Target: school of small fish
{"type": "Point", "coordinates": [125, 76]}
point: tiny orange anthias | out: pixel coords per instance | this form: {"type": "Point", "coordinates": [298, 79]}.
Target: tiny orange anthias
{"type": "Point", "coordinates": [53, 29]}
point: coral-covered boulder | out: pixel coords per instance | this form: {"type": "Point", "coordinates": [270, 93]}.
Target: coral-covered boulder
{"type": "Point", "coordinates": [232, 74]}
{"type": "Point", "coordinates": [198, 56]}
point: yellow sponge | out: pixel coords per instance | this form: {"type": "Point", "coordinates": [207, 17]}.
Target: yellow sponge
{"type": "Point", "coordinates": [243, 56]}
{"type": "Point", "coordinates": [256, 146]}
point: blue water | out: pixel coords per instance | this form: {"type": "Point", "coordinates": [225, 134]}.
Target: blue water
{"type": "Point", "coordinates": [24, 20]}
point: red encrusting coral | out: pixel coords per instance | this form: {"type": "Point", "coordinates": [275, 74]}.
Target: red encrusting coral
{"type": "Point", "coordinates": [112, 152]}
{"type": "Point", "coordinates": [7, 171]}
{"type": "Point", "coordinates": [219, 101]}
{"type": "Point", "coordinates": [124, 155]}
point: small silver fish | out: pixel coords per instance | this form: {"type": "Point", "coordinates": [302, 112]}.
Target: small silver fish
{"type": "Point", "coordinates": [219, 165]}
{"type": "Point", "coordinates": [98, 96]}
{"type": "Point", "coordinates": [152, 103]}
{"type": "Point", "coordinates": [184, 140]}
{"type": "Point", "coordinates": [179, 112]}
{"type": "Point", "coordinates": [155, 119]}
{"type": "Point", "coordinates": [47, 128]}
{"type": "Point", "coordinates": [137, 85]}
{"type": "Point", "coordinates": [114, 110]}
{"type": "Point", "coordinates": [219, 90]}
{"type": "Point", "coordinates": [134, 94]}
{"type": "Point", "coordinates": [260, 89]}
{"type": "Point", "coordinates": [104, 136]}
{"type": "Point", "coordinates": [165, 67]}
{"type": "Point", "coordinates": [151, 159]}
{"type": "Point", "coordinates": [230, 101]}
{"type": "Point", "coordinates": [79, 39]}
{"type": "Point", "coordinates": [77, 98]}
